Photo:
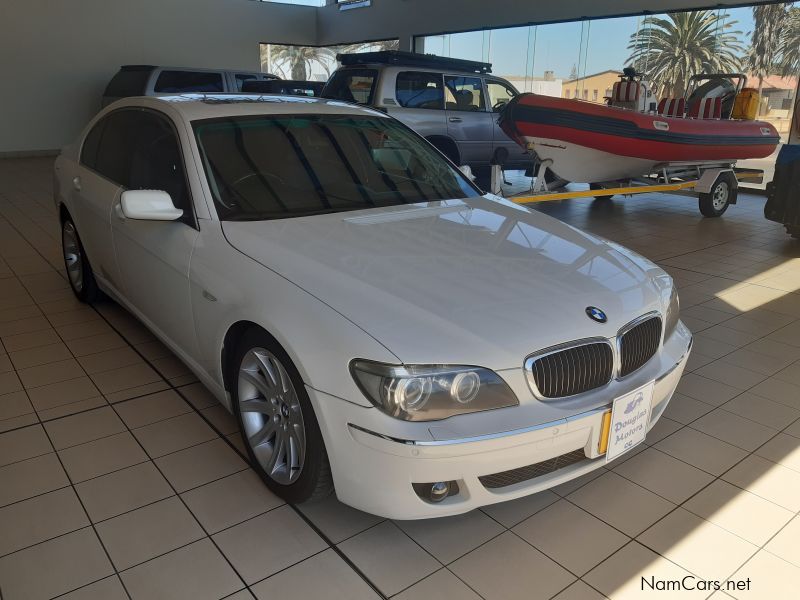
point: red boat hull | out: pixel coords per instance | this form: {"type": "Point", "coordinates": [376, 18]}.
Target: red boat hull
{"type": "Point", "coordinates": [556, 126]}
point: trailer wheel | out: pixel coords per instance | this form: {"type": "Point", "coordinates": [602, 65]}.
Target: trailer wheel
{"type": "Point", "coordinates": [597, 186]}
{"type": "Point", "coordinates": [722, 194]}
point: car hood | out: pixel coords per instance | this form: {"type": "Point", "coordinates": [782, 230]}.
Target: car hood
{"type": "Point", "coordinates": [480, 281]}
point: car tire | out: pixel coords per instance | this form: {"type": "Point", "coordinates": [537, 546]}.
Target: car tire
{"type": "Point", "coordinates": [279, 428]}
{"type": "Point", "coordinates": [720, 197]}
{"type": "Point", "coordinates": [79, 271]}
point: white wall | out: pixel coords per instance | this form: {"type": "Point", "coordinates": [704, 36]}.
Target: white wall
{"type": "Point", "coordinates": [56, 56]}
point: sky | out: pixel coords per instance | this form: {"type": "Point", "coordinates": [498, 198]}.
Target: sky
{"type": "Point", "coordinates": [557, 47]}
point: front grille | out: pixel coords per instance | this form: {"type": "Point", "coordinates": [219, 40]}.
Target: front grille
{"type": "Point", "coordinates": [638, 345]}
{"type": "Point", "coordinates": [573, 370]}
{"type": "Point", "coordinates": [506, 478]}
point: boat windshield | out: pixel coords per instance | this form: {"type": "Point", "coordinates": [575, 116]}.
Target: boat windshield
{"type": "Point", "coordinates": [274, 166]}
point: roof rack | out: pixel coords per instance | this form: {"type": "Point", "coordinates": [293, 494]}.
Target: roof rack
{"type": "Point", "coordinates": [412, 59]}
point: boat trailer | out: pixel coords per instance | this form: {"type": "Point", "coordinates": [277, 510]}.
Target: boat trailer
{"type": "Point", "coordinates": [714, 184]}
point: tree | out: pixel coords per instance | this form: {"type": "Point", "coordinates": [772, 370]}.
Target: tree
{"type": "Point", "coordinates": [790, 44]}
{"type": "Point", "coordinates": [295, 61]}
{"type": "Point", "coordinates": [573, 75]}
{"type": "Point", "coordinates": [769, 23]}
{"type": "Point", "coordinates": [670, 49]}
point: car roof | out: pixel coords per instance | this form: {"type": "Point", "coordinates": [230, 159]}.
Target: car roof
{"type": "Point", "coordinates": [208, 106]}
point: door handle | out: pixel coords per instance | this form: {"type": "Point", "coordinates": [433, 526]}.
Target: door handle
{"type": "Point", "coordinates": [118, 212]}
{"type": "Point", "coordinates": [455, 119]}
{"type": "Point", "coordinates": [76, 183]}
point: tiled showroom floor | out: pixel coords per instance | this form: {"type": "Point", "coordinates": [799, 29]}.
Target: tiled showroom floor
{"type": "Point", "coordinates": [120, 477]}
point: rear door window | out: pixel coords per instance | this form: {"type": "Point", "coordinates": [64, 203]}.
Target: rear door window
{"type": "Point", "coordinates": [116, 146]}
{"type": "Point", "coordinates": [189, 81]}
{"type": "Point", "coordinates": [352, 85]}
{"type": "Point", "coordinates": [420, 90]}
{"type": "Point", "coordinates": [464, 93]}
{"type": "Point", "coordinates": [91, 145]}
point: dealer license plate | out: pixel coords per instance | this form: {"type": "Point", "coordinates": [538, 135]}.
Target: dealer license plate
{"type": "Point", "coordinates": [630, 416]}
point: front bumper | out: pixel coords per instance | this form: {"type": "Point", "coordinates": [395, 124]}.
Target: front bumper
{"type": "Point", "coordinates": [374, 471]}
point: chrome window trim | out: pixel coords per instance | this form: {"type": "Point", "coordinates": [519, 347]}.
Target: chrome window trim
{"type": "Point", "coordinates": [625, 329]}
{"type": "Point", "coordinates": [531, 358]}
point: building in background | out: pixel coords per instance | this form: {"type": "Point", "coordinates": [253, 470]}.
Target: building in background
{"type": "Point", "coordinates": [592, 88]}
{"type": "Point", "coordinates": [548, 85]}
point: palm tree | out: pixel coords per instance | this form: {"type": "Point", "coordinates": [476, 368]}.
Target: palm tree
{"type": "Point", "coordinates": [671, 49]}
{"type": "Point", "coordinates": [296, 61]}
{"type": "Point", "coordinates": [790, 44]}
{"type": "Point", "coordinates": [368, 46]}
{"type": "Point", "coordinates": [769, 23]}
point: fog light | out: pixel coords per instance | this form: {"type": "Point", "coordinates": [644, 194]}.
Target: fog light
{"type": "Point", "coordinates": [439, 491]}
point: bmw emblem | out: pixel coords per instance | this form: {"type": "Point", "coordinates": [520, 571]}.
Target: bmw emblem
{"type": "Point", "coordinates": [595, 314]}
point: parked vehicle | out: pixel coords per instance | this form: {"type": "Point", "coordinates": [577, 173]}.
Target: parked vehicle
{"type": "Point", "coordinates": [633, 136]}
{"type": "Point", "coordinates": [453, 103]}
{"type": "Point", "coordinates": [288, 87]}
{"type": "Point", "coordinates": [373, 320]}
{"type": "Point", "coordinates": [150, 80]}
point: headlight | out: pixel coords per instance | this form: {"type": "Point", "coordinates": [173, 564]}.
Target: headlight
{"type": "Point", "coordinates": [673, 313]}
{"type": "Point", "coordinates": [430, 392]}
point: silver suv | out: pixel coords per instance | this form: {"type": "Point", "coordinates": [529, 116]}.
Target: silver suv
{"type": "Point", "coordinates": [150, 80]}
{"type": "Point", "coordinates": [453, 103]}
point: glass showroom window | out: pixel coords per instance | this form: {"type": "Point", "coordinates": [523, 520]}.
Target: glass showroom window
{"type": "Point", "coordinates": [581, 59]}
{"type": "Point", "coordinates": [312, 63]}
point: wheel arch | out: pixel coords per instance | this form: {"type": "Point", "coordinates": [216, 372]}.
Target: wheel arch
{"type": "Point", "coordinates": [63, 212]}
{"type": "Point", "coordinates": [229, 342]}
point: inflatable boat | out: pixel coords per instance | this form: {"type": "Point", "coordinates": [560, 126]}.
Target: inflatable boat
{"type": "Point", "coordinates": [632, 135]}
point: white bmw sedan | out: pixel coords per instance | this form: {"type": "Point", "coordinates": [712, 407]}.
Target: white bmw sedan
{"type": "Point", "coordinates": [375, 322]}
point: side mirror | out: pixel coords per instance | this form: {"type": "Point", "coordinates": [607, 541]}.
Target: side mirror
{"type": "Point", "coordinates": [149, 205]}
{"type": "Point", "coordinates": [467, 170]}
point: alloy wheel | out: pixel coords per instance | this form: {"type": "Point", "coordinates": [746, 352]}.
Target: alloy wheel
{"type": "Point", "coordinates": [72, 255]}
{"type": "Point", "coordinates": [272, 418]}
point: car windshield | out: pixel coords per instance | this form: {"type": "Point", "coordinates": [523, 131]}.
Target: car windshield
{"type": "Point", "coordinates": [273, 167]}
